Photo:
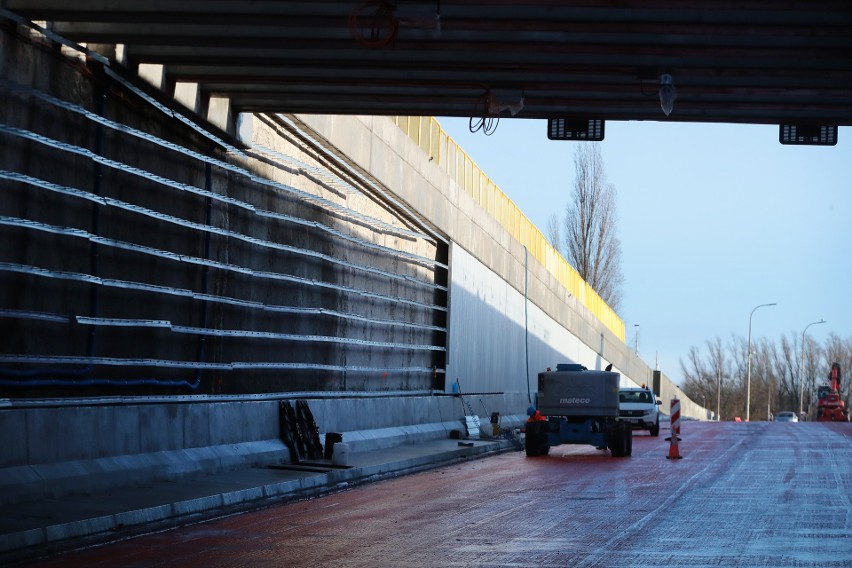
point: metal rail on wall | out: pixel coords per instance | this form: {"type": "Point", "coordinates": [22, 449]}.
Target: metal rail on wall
{"type": "Point", "coordinates": [46, 369]}
{"type": "Point", "coordinates": [79, 233]}
{"type": "Point", "coordinates": [182, 292]}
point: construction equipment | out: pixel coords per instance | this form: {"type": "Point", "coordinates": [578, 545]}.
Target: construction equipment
{"type": "Point", "coordinates": [830, 407]}
{"type": "Point", "coordinates": [576, 406]}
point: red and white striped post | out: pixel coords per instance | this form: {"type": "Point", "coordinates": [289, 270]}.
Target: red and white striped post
{"type": "Point", "coordinates": [674, 451]}
{"type": "Point", "coordinates": [675, 416]}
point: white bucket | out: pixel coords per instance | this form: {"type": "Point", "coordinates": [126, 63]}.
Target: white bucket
{"type": "Point", "coordinates": [340, 454]}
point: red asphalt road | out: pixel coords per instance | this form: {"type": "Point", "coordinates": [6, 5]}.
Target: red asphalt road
{"type": "Point", "coordinates": [757, 495]}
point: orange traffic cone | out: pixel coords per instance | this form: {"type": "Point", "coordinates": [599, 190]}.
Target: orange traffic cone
{"type": "Point", "coordinates": [674, 452]}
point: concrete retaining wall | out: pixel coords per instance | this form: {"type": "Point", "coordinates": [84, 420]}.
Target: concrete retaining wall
{"type": "Point", "coordinates": [144, 256]}
{"type": "Point", "coordinates": [56, 451]}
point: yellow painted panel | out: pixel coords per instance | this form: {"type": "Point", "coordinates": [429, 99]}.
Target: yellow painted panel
{"type": "Point", "coordinates": [441, 158]}
{"type": "Point", "coordinates": [435, 139]}
{"type": "Point", "coordinates": [425, 137]}
{"type": "Point", "coordinates": [428, 134]}
{"type": "Point", "coordinates": [468, 175]}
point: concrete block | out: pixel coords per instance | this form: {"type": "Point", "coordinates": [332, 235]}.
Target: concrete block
{"type": "Point", "coordinates": [340, 455]}
{"type": "Point", "coordinates": [220, 115]}
{"type": "Point", "coordinates": [22, 539]}
{"type": "Point", "coordinates": [240, 421]}
{"type": "Point", "coordinates": [52, 434]}
{"type": "Point", "coordinates": [243, 496]}
{"type": "Point", "coordinates": [81, 528]}
{"type": "Point", "coordinates": [189, 459]}
{"type": "Point", "coordinates": [124, 425]}
{"type": "Point", "coordinates": [13, 437]}
{"type": "Point", "coordinates": [52, 475]}
{"type": "Point", "coordinates": [273, 490]}
{"type": "Point", "coordinates": [129, 466]}
{"type": "Point", "coordinates": [161, 427]}
{"type": "Point", "coordinates": [153, 73]}
{"type": "Point", "coordinates": [143, 516]}
{"type": "Point", "coordinates": [162, 462]}
{"type": "Point", "coordinates": [199, 505]}
{"type": "Point", "coordinates": [321, 416]}
{"type": "Point", "coordinates": [225, 455]}
{"type": "Point", "coordinates": [196, 425]}
{"type": "Point", "coordinates": [310, 482]}
{"type": "Point", "coordinates": [188, 95]}
{"type": "Point", "coordinates": [18, 484]}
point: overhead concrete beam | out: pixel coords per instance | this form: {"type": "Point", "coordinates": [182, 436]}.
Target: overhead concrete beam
{"type": "Point", "coordinates": [154, 74]}
{"type": "Point", "coordinates": [219, 114]}
{"type": "Point", "coordinates": [188, 95]}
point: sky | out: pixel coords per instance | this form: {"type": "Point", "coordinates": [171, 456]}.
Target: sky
{"type": "Point", "coordinates": [713, 219]}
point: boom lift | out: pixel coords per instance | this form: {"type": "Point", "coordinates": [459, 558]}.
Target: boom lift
{"type": "Point", "coordinates": [577, 406]}
{"type": "Point", "coordinates": [830, 407]}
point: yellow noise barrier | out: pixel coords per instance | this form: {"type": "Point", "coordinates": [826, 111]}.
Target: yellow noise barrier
{"type": "Point", "coordinates": [428, 134]}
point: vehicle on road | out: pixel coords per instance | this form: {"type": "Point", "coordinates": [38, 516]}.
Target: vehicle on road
{"type": "Point", "coordinates": [640, 408]}
{"type": "Point", "coordinates": [576, 406]}
{"type": "Point", "coordinates": [830, 407]}
{"type": "Point", "coordinates": [786, 416]}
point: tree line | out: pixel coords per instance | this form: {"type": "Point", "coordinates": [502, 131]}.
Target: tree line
{"type": "Point", "coordinates": [781, 372]}
{"type": "Point", "coordinates": [784, 375]}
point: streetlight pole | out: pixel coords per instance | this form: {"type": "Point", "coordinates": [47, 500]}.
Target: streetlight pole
{"type": "Point", "coordinates": [748, 356]}
{"type": "Point", "coordinates": [802, 364]}
{"type": "Point", "coordinates": [636, 325]}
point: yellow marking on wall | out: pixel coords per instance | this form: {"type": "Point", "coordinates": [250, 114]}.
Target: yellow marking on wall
{"type": "Point", "coordinates": [449, 156]}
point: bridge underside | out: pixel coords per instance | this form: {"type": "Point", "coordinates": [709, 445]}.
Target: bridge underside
{"type": "Point", "coordinates": [768, 62]}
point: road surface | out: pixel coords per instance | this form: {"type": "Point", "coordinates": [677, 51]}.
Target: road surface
{"type": "Point", "coordinates": [756, 495]}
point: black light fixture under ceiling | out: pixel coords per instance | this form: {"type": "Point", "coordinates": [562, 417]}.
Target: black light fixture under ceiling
{"type": "Point", "coordinates": [667, 93]}
{"type": "Point", "coordinates": [499, 100]}
{"type": "Point", "coordinates": [808, 134]}
{"type": "Point", "coordinates": [591, 129]}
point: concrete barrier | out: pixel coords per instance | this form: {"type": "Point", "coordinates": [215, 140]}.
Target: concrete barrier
{"type": "Point", "coordinates": [53, 452]}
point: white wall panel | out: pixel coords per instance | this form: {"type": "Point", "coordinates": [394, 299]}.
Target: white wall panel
{"type": "Point", "coordinates": [488, 336]}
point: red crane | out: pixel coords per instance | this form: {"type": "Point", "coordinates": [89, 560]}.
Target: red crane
{"type": "Point", "coordinates": [830, 407]}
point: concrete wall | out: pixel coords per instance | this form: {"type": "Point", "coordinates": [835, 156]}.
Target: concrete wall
{"type": "Point", "coordinates": [382, 150]}
{"type": "Point", "coordinates": [51, 451]}
{"type": "Point", "coordinates": [144, 256]}
{"type": "Point", "coordinates": [498, 340]}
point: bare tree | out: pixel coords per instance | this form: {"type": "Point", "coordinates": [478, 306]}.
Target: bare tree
{"type": "Point", "coordinates": [812, 368]}
{"type": "Point", "coordinates": [697, 375]}
{"type": "Point", "coordinates": [709, 381]}
{"type": "Point", "coordinates": [784, 369]}
{"type": "Point", "coordinates": [591, 243]}
{"type": "Point", "coordinates": [771, 369]}
{"type": "Point", "coordinates": [554, 232]}
{"type": "Point", "coordinates": [775, 375]}
{"type": "Point", "coordinates": [720, 371]}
